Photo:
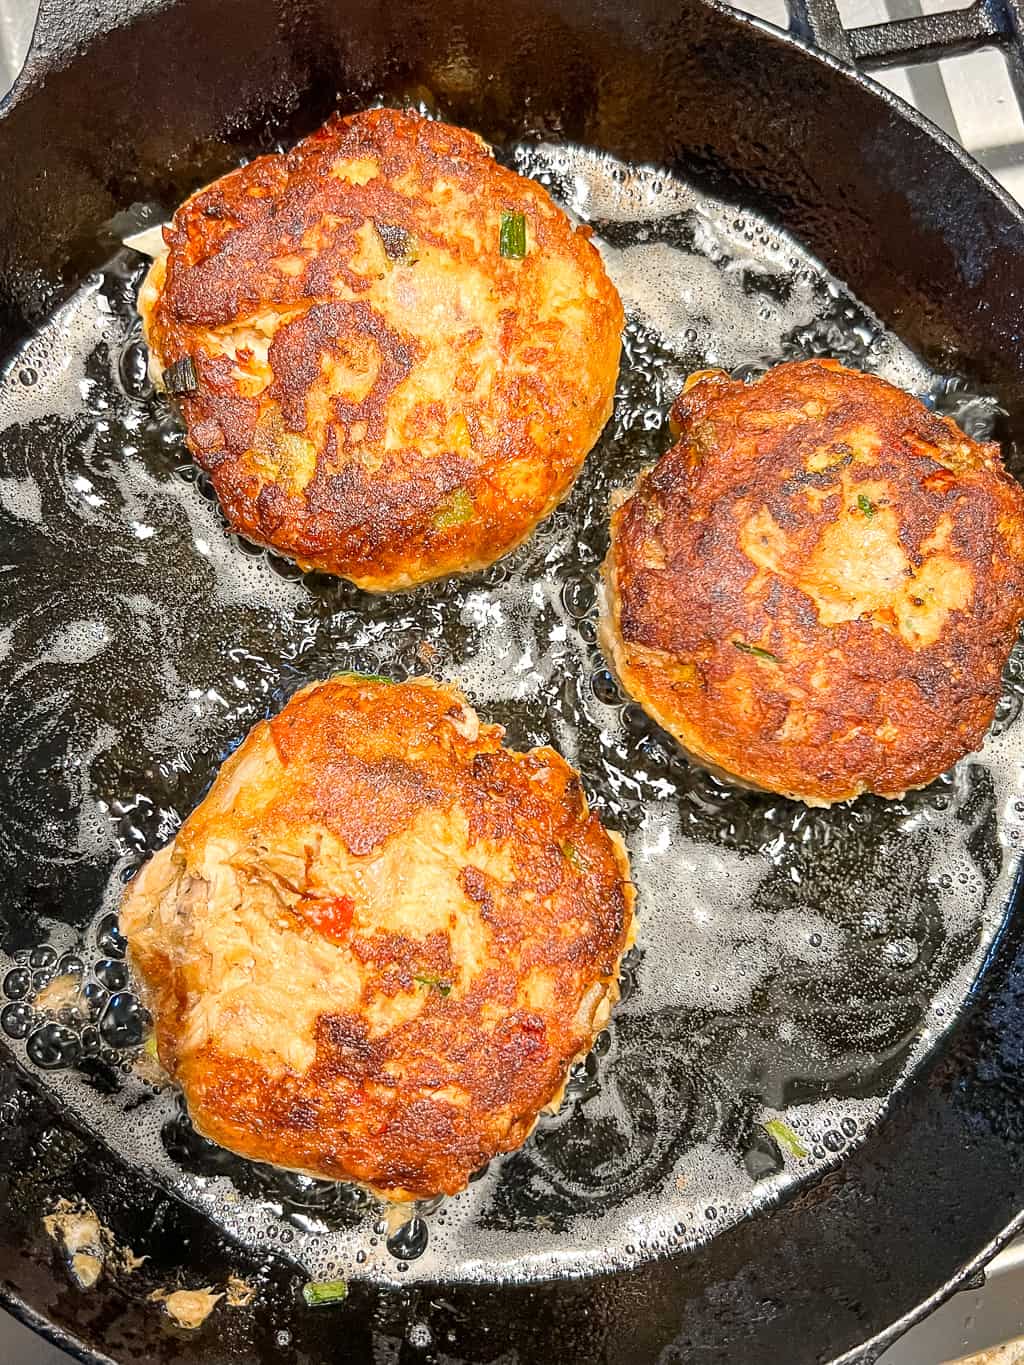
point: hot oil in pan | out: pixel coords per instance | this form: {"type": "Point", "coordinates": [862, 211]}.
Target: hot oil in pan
{"type": "Point", "coordinates": [787, 957]}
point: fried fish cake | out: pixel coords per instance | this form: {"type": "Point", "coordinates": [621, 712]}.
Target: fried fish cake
{"type": "Point", "coordinates": [392, 354]}
{"type": "Point", "coordinates": [376, 947]}
{"type": "Point", "coordinates": [816, 590]}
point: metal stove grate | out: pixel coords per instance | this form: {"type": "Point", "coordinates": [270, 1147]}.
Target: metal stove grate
{"type": "Point", "coordinates": [918, 37]}
{"type": "Point", "coordinates": [961, 67]}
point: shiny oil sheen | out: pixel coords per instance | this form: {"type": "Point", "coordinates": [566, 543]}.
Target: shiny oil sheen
{"type": "Point", "coordinates": [791, 963]}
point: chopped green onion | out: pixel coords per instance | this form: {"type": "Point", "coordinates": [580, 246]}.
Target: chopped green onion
{"type": "Point", "coordinates": [455, 510]}
{"type": "Point", "coordinates": [756, 650]}
{"type": "Point", "coordinates": [181, 377]}
{"type": "Point", "coordinates": [512, 237]}
{"type": "Point", "coordinates": [570, 854]}
{"type": "Point", "coordinates": [785, 1137]}
{"type": "Point", "coordinates": [866, 506]}
{"type": "Point", "coordinates": [434, 983]}
{"type": "Point", "coordinates": [365, 677]}
{"type": "Point", "coordinates": [399, 245]}
{"type": "Point", "coordinates": [320, 1292]}
{"type": "Point", "coordinates": [149, 1046]}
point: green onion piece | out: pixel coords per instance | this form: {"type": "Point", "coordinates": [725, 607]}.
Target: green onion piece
{"type": "Point", "coordinates": [785, 1137]}
{"type": "Point", "coordinates": [399, 245]}
{"type": "Point", "coordinates": [756, 650]}
{"type": "Point", "coordinates": [570, 854]}
{"type": "Point", "coordinates": [365, 677]}
{"type": "Point", "coordinates": [866, 506]}
{"type": "Point", "coordinates": [320, 1292]}
{"type": "Point", "coordinates": [149, 1047]}
{"type": "Point", "coordinates": [181, 377]}
{"type": "Point", "coordinates": [434, 983]}
{"type": "Point", "coordinates": [512, 237]}
{"type": "Point", "coordinates": [455, 510]}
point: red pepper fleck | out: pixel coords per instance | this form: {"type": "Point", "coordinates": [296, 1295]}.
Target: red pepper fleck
{"type": "Point", "coordinates": [330, 916]}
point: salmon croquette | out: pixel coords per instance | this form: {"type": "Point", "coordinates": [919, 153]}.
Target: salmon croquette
{"type": "Point", "coordinates": [377, 946]}
{"type": "Point", "coordinates": [391, 353]}
{"type": "Point", "coordinates": [816, 590]}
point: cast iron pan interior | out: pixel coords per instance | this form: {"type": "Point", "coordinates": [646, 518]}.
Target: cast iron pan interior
{"type": "Point", "coordinates": [141, 102]}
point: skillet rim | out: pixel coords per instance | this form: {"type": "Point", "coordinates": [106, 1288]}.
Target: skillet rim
{"type": "Point", "coordinates": [56, 37]}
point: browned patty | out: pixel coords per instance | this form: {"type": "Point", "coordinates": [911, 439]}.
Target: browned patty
{"type": "Point", "coordinates": [817, 588]}
{"type": "Point", "coordinates": [376, 947]}
{"type": "Point", "coordinates": [379, 392]}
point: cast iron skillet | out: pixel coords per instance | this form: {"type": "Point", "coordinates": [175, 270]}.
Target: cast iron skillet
{"type": "Point", "coordinates": [129, 100]}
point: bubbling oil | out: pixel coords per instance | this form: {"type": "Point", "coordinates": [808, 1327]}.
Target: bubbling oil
{"type": "Point", "coordinates": [790, 961]}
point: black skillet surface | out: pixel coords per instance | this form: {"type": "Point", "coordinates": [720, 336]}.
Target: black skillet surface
{"type": "Point", "coordinates": [134, 102]}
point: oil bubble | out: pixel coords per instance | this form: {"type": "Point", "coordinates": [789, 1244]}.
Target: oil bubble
{"type": "Point", "coordinates": [53, 1046]}
{"type": "Point", "coordinates": [111, 974]}
{"type": "Point", "coordinates": [419, 1335]}
{"type": "Point", "coordinates": [17, 983]}
{"type": "Point", "coordinates": [409, 1241]}
{"type": "Point", "coordinates": [124, 1022]}
{"type": "Point", "coordinates": [109, 938]}
{"type": "Point", "coordinates": [16, 1020]}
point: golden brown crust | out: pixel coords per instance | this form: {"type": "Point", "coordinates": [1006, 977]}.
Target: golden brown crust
{"type": "Point", "coordinates": [381, 394]}
{"type": "Point", "coordinates": [817, 588]}
{"type": "Point", "coordinates": [375, 948]}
